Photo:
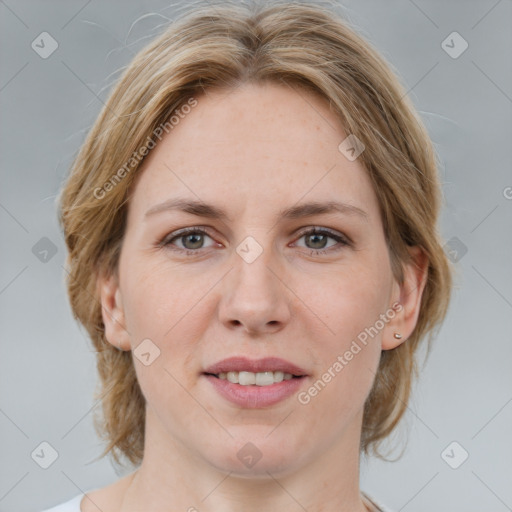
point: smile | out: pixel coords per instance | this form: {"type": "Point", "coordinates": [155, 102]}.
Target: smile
{"type": "Point", "coordinates": [255, 383]}
{"type": "Point", "coordinates": [255, 379]}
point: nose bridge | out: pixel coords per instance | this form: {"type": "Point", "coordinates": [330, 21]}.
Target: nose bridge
{"type": "Point", "coordinates": [251, 274]}
{"type": "Point", "coordinates": [253, 295]}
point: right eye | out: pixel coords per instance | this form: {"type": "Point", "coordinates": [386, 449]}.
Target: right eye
{"type": "Point", "coordinates": [192, 239]}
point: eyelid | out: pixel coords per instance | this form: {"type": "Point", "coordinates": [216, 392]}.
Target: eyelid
{"type": "Point", "coordinates": [166, 240]}
{"type": "Point", "coordinates": [324, 230]}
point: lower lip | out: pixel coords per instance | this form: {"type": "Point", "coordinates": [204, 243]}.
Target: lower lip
{"type": "Point", "coordinates": [255, 397]}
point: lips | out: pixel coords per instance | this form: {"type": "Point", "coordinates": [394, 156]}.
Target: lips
{"type": "Point", "coordinates": [243, 364]}
{"type": "Point", "coordinates": [255, 383]}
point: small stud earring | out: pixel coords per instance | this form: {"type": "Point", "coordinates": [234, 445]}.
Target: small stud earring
{"type": "Point", "coordinates": [397, 335]}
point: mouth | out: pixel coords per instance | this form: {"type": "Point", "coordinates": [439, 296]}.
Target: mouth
{"type": "Point", "coordinates": [246, 378]}
{"type": "Point", "coordinates": [255, 372]}
{"type": "Point", "coordinates": [255, 383]}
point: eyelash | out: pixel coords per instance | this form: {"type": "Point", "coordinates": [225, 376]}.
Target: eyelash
{"type": "Point", "coordinates": [342, 240]}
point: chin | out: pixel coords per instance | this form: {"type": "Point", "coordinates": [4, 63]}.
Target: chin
{"type": "Point", "coordinates": [255, 453]}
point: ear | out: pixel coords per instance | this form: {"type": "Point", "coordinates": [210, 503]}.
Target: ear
{"type": "Point", "coordinates": [112, 312]}
{"type": "Point", "coordinates": [406, 300]}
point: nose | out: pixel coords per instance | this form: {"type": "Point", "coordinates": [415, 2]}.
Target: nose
{"type": "Point", "coordinates": [254, 297]}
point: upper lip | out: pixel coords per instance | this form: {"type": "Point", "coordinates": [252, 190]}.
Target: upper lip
{"type": "Point", "coordinates": [266, 364]}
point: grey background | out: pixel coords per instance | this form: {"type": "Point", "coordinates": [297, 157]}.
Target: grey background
{"type": "Point", "coordinates": [48, 374]}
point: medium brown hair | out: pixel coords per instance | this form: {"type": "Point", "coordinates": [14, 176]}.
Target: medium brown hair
{"type": "Point", "coordinates": [226, 45]}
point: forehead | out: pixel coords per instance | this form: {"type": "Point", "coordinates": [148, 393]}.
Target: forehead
{"type": "Point", "coordinates": [256, 145]}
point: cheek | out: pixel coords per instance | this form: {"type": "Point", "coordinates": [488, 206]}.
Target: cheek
{"type": "Point", "coordinates": [350, 306]}
{"type": "Point", "coordinates": [159, 299]}
{"type": "Point", "coordinates": [166, 306]}
{"type": "Point", "coordinates": [351, 300]}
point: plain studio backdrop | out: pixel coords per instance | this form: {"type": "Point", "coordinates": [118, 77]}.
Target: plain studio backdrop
{"type": "Point", "coordinates": [453, 57]}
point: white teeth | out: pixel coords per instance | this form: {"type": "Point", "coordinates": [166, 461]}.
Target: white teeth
{"type": "Point", "coordinates": [233, 377]}
{"type": "Point", "coordinates": [259, 379]}
{"type": "Point", "coordinates": [263, 378]}
{"type": "Point", "coordinates": [247, 378]}
{"type": "Point", "coordinates": [278, 376]}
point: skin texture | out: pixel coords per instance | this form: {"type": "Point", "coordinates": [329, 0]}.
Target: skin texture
{"type": "Point", "coordinates": [253, 151]}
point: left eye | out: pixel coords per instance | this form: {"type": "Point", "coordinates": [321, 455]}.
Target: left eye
{"type": "Point", "coordinates": [318, 239]}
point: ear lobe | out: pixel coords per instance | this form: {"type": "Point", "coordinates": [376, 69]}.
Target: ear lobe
{"type": "Point", "coordinates": [112, 312]}
{"type": "Point", "coordinates": [409, 300]}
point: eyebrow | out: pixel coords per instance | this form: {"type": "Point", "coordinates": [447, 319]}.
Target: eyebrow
{"type": "Point", "coordinates": [202, 209]}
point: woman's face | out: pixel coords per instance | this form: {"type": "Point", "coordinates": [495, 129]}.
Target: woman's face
{"type": "Point", "coordinates": [251, 280]}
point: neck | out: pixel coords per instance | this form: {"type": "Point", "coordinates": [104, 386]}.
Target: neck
{"type": "Point", "coordinates": [175, 478]}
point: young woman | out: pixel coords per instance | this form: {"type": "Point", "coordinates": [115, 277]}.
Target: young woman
{"type": "Point", "coordinates": [253, 249]}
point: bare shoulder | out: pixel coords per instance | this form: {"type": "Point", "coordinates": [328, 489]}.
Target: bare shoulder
{"type": "Point", "coordinates": [107, 498]}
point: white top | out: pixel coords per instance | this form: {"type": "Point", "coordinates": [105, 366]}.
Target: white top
{"type": "Point", "coordinates": [73, 505]}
